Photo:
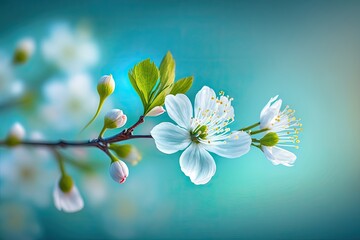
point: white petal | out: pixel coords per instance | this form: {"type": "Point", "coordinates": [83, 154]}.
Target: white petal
{"type": "Point", "coordinates": [197, 164]}
{"type": "Point", "coordinates": [267, 118]}
{"type": "Point", "coordinates": [68, 202]}
{"type": "Point", "coordinates": [170, 138]}
{"type": "Point", "coordinates": [224, 106]}
{"type": "Point", "coordinates": [56, 195]}
{"type": "Point", "coordinates": [179, 109]}
{"type": "Point", "coordinates": [279, 156]}
{"type": "Point", "coordinates": [268, 105]}
{"type": "Point", "coordinates": [237, 144]}
{"type": "Point", "coordinates": [205, 99]}
{"type": "Point", "coordinates": [268, 113]}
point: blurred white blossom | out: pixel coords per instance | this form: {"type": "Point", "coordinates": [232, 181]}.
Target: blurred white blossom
{"type": "Point", "coordinates": [123, 217]}
{"type": "Point", "coordinates": [26, 174]}
{"type": "Point", "coordinates": [18, 222]}
{"type": "Point", "coordinates": [70, 49]}
{"type": "Point", "coordinates": [24, 50]}
{"type": "Point", "coordinates": [16, 134]}
{"type": "Point", "coordinates": [67, 201]}
{"type": "Point", "coordinates": [69, 102]}
{"type": "Point", "coordinates": [9, 85]}
{"type": "Point", "coordinates": [95, 188]}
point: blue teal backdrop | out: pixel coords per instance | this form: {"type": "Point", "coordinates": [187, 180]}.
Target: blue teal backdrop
{"type": "Point", "coordinates": [308, 52]}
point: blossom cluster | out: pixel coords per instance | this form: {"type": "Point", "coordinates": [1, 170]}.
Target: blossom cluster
{"type": "Point", "coordinates": [200, 129]}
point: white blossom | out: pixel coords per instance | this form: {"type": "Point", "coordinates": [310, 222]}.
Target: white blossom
{"type": "Point", "coordinates": [70, 201]}
{"type": "Point", "coordinates": [70, 50]}
{"type": "Point", "coordinates": [69, 102]}
{"type": "Point", "coordinates": [287, 128]}
{"type": "Point", "coordinates": [27, 174]}
{"type": "Point", "coordinates": [206, 130]}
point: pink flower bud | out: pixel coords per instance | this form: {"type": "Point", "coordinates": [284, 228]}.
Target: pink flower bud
{"type": "Point", "coordinates": [115, 119]}
{"type": "Point", "coordinates": [156, 111]}
{"type": "Point", "coordinates": [119, 171]}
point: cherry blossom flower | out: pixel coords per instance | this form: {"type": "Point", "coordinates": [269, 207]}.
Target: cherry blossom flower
{"type": "Point", "coordinates": [67, 197]}
{"type": "Point", "coordinates": [200, 132]}
{"type": "Point", "coordinates": [286, 128]}
{"type": "Point", "coordinates": [70, 50]}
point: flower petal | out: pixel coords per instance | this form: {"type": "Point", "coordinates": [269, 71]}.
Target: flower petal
{"type": "Point", "coordinates": [170, 138]}
{"type": "Point", "coordinates": [237, 144]}
{"type": "Point", "coordinates": [179, 109]}
{"type": "Point", "coordinates": [279, 156]}
{"type": "Point", "coordinates": [205, 99]}
{"type": "Point", "coordinates": [73, 200]}
{"type": "Point", "coordinates": [267, 118]}
{"type": "Point", "coordinates": [269, 112]}
{"type": "Point", "coordinates": [224, 108]}
{"type": "Point", "coordinates": [263, 111]}
{"type": "Point", "coordinates": [277, 105]}
{"type": "Point", "coordinates": [56, 195]}
{"type": "Point", "coordinates": [68, 202]}
{"type": "Point", "coordinates": [197, 164]}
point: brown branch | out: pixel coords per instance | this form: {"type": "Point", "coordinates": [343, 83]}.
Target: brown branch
{"type": "Point", "coordinates": [101, 143]}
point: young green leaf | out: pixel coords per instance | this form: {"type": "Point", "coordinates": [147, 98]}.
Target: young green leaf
{"type": "Point", "coordinates": [159, 99]}
{"type": "Point", "coordinates": [146, 75]}
{"type": "Point", "coordinates": [133, 83]}
{"type": "Point", "coordinates": [167, 71]}
{"type": "Point", "coordinates": [182, 85]}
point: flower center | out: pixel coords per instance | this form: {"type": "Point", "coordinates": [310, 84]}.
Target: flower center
{"type": "Point", "coordinates": [270, 139]}
{"type": "Point", "coordinates": [200, 132]}
{"type": "Point", "coordinates": [27, 173]}
{"type": "Point", "coordinates": [287, 126]}
{"type": "Point", "coordinates": [210, 123]}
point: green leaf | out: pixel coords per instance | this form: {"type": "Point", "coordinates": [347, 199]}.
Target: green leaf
{"type": "Point", "coordinates": [167, 71]}
{"type": "Point", "coordinates": [146, 75]}
{"type": "Point", "coordinates": [159, 99]}
{"type": "Point", "coordinates": [182, 85]}
{"type": "Point", "coordinates": [133, 83]}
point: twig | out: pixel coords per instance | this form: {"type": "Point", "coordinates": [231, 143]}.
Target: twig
{"type": "Point", "coordinates": [101, 143]}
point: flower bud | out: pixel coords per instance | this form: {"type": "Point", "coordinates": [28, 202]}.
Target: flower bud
{"type": "Point", "coordinates": [270, 139]}
{"type": "Point", "coordinates": [67, 197]}
{"type": "Point", "coordinates": [115, 119]}
{"type": "Point", "coordinates": [156, 111]}
{"type": "Point", "coordinates": [15, 135]}
{"type": "Point", "coordinates": [106, 86]}
{"type": "Point", "coordinates": [66, 183]}
{"type": "Point", "coordinates": [119, 171]}
{"type": "Point", "coordinates": [127, 152]}
{"type": "Point", "coordinates": [24, 50]}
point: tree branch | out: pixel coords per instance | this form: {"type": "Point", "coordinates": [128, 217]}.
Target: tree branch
{"type": "Point", "coordinates": [101, 143]}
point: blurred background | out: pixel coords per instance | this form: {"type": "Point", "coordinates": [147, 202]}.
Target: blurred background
{"type": "Point", "coordinates": [308, 52]}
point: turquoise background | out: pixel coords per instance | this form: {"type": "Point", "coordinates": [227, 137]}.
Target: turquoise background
{"type": "Point", "coordinates": [308, 52]}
